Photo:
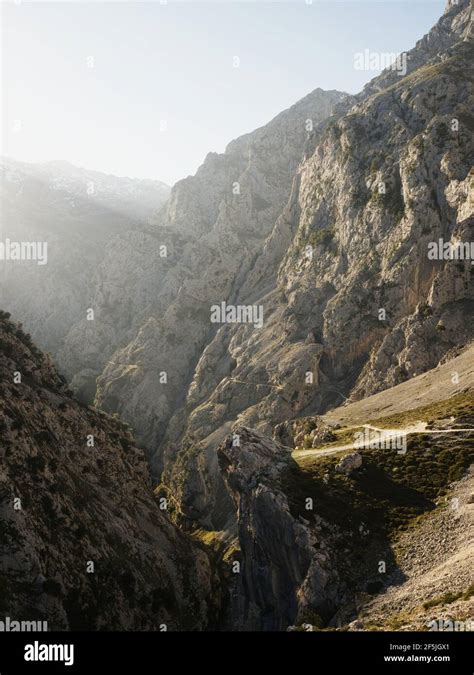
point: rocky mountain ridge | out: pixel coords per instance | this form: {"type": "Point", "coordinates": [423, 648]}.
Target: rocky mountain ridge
{"type": "Point", "coordinates": [137, 198]}
{"type": "Point", "coordinates": [87, 545]}
{"type": "Point", "coordinates": [212, 227]}
{"type": "Point", "coordinates": [358, 304]}
{"type": "Point", "coordinates": [328, 232]}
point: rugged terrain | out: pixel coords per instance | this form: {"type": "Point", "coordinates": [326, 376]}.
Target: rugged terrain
{"type": "Point", "coordinates": [366, 309]}
{"type": "Point", "coordinates": [381, 543]}
{"type": "Point", "coordinates": [213, 227]}
{"type": "Point", "coordinates": [307, 541]}
{"type": "Point", "coordinates": [84, 542]}
{"type": "Point", "coordinates": [323, 218]}
{"type": "Point", "coordinates": [435, 562]}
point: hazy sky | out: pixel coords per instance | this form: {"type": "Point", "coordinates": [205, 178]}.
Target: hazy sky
{"type": "Point", "coordinates": [146, 89]}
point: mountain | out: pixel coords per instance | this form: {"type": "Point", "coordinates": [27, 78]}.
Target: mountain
{"type": "Point", "coordinates": [85, 543]}
{"type": "Point", "coordinates": [368, 308]}
{"type": "Point", "coordinates": [88, 545]}
{"type": "Point", "coordinates": [78, 213]}
{"type": "Point", "coordinates": [291, 339]}
{"type": "Point", "coordinates": [155, 289]}
{"type": "Point", "coordinates": [379, 178]}
{"type": "Point", "coordinates": [138, 198]}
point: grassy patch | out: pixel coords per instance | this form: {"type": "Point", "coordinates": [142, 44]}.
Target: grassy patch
{"type": "Point", "coordinates": [456, 406]}
{"type": "Point", "coordinates": [211, 538]}
{"type": "Point", "coordinates": [448, 598]}
{"type": "Point", "coordinates": [321, 237]}
{"type": "Point", "coordinates": [392, 490]}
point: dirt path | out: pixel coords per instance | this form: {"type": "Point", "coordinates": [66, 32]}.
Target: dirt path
{"type": "Point", "coordinates": [384, 437]}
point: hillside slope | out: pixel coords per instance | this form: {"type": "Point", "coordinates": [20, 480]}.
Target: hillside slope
{"type": "Point", "coordinates": [85, 544]}
{"type": "Point", "coordinates": [437, 591]}
{"type": "Point", "coordinates": [453, 376]}
{"type": "Point", "coordinates": [381, 543]}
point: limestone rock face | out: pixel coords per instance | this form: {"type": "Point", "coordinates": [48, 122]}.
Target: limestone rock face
{"type": "Point", "coordinates": [329, 233]}
{"type": "Point", "coordinates": [213, 226]}
{"type": "Point", "coordinates": [286, 572]}
{"type": "Point", "coordinates": [85, 544]}
{"type": "Point", "coordinates": [359, 303]}
{"type": "Point", "coordinates": [323, 434]}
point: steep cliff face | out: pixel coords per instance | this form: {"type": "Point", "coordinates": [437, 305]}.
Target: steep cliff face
{"type": "Point", "coordinates": [333, 537]}
{"type": "Point", "coordinates": [359, 304]}
{"type": "Point", "coordinates": [77, 214]}
{"type": "Point", "coordinates": [85, 544]}
{"type": "Point", "coordinates": [288, 572]}
{"type": "Point", "coordinates": [213, 227]}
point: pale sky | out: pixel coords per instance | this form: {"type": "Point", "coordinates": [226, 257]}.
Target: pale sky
{"type": "Point", "coordinates": [146, 90]}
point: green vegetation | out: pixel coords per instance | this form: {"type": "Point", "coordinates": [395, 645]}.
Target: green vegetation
{"type": "Point", "coordinates": [321, 237]}
{"type": "Point", "coordinates": [391, 490]}
{"type": "Point", "coordinates": [391, 200]}
{"type": "Point", "coordinates": [211, 538]}
{"type": "Point", "coordinates": [217, 542]}
{"type": "Point", "coordinates": [456, 406]}
{"type": "Point", "coordinates": [397, 621]}
{"type": "Point", "coordinates": [448, 598]}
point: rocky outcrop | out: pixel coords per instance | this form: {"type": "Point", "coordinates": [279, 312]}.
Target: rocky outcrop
{"type": "Point", "coordinates": [359, 304]}
{"type": "Point", "coordinates": [325, 537]}
{"type": "Point", "coordinates": [213, 226]}
{"type": "Point", "coordinates": [287, 573]}
{"type": "Point", "coordinates": [85, 544]}
{"type": "Point", "coordinates": [349, 463]}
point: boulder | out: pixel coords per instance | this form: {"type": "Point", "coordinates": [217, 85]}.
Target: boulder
{"type": "Point", "coordinates": [349, 463]}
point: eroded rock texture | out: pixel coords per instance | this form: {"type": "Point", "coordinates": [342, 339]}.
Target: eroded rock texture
{"type": "Point", "coordinates": [288, 574]}
{"type": "Point", "coordinates": [358, 304]}
{"type": "Point", "coordinates": [85, 544]}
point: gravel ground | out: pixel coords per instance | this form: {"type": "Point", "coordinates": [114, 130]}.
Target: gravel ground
{"type": "Point", "coordinates": [434, 558]}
